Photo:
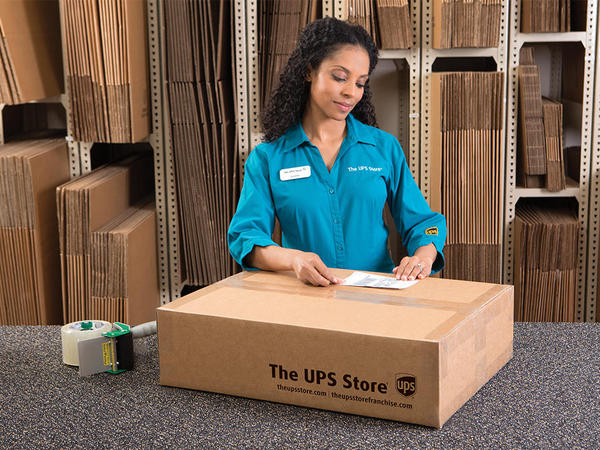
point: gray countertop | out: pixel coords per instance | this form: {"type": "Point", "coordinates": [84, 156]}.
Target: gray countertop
{"type": "Point", "coordinates": [548, 395]}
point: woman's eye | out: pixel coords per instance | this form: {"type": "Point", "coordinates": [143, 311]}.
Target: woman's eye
{"type": "Point", "coordinates": [336, 78]}
{"type": "Point", "coordinates": [360, 86]}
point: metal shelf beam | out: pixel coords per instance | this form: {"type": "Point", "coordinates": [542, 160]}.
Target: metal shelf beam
{"type": "Point", "coordinates": [164, 176]}
{"type": "Point", "coordinates": [592, 313]}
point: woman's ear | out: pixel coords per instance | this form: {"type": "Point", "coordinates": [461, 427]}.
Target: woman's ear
{"type": "Point", "coordinates": [309, 74]}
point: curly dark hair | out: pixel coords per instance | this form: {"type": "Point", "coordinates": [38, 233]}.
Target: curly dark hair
{"type": "Point", "coordinates": [316, 42]}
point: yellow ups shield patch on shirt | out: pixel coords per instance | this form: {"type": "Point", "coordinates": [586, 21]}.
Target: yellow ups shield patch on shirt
{"type": "Point", "coordinates": [432, 231]}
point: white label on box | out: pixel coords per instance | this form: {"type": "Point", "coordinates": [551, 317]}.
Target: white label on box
{"type": "Point", "coordinates": [376, 281]}
{"type": "Point", "coordinates": [294, 173]}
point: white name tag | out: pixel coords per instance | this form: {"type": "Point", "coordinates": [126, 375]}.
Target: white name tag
{"type": "Point", "coordinates": [294, 173]}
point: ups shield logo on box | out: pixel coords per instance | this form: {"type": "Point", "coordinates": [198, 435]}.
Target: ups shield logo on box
{"type": "Point", "coordinates": [406, 384]}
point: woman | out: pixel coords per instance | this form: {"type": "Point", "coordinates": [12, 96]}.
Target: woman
{"type": "Point", "coordinates": [326, 172]}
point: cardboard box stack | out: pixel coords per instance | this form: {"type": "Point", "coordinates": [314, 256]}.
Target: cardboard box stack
{"type": "Point", "coordinates": [538, 16]}
{"type": "Point", "coordinates": [280, 23]}
{"type": "Point", "coordinates": [466, 23]}
{"type": "Point", "coordinates": [540, 154]}
{"type": "Point", "coordinates": [546, 243]}
{"type": "Point", "coordinates": [30, 170]}
{"type": "Point", "coordinates": [200, 87]}
{"type": "Point", "coordinates": [30, 49]}
{"type": "Point", "coordinates": [124, 267]}
{"type": "Point", "coordinates": [106, 60]}
{"type": "Point", "coordinates": [414, 355]}
{"type": "Point", "coordinates": [394, 24]}
{"type": "Point", "coordinates": [531, 118]}
{"type": "Point", "coordinates": [553, 131]}
{"type": "Point", "coordinates": [85, 205]}
{"type": "Point", "coordinates": [466, 156]}
{"type": "Point", "coordinates": [388, 22]}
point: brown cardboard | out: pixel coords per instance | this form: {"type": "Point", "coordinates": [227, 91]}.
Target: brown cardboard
{"type": "Point", "coordinates": [246, 334]}
{"type": "Point", "coordinates": [124, 267]}
{"type": "Point", "coordinates": [465, 155]}
{"type": "Point", "coordinates": [435, 136]}
{"type": "Point", "coordinates": [30, 171]}
{"type": "Point", "coordinates": [32, 48]}
{"type": "Point", "coordinates": [137, 61]}
{"type": "Point", "coordinates": [89, 202]}
{"type": "Point", "coordinates": [106, 61]}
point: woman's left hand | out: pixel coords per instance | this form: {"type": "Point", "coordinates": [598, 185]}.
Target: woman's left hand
{"type": "Point", "coordinates": [417, 266]}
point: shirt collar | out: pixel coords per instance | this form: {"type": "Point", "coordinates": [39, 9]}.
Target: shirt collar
{"type": "Point", "coordinates": [357, 132]}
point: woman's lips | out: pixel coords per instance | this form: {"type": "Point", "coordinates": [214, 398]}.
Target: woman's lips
{"type": "Point", "coordinates": [344, 106]}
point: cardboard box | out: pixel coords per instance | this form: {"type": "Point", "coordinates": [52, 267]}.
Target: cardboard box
{"type": "Point", "coordinates": [415, 355]}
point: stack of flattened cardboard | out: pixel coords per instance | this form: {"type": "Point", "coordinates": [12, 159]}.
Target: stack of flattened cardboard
{"type": "Point", "coordinates": [280, 24]}
{"type": "Point", "coordinates": [106, 59]}
{"type": "Point", "coordinates": [395, 24]}
{"type": "Point", "coordinates": [387, 21]}
{"type": "Point", "coordinates": [84, 205]}
{"type": "Point", "coordinates": [538, 16]}
{"type": "Point", "coordinates": [124, 267]}
{"type": "Point", "coordinates": [466, 23]}
{"type": "Point", "coordinates": [546, 263]}
{"type": "Point", "coordinates": [200, 87]}
{"type": "Point", "coordinates": [540, 156]}
{"type": "Point", "coordinates": [553, 131]}
{"type": "Point", "coordinates": [30, 170]}
{"type": "Point", "coordinates": [533, 152]}
{"type": "Point", "coordinates": [466, 155]}
{"type": "Point", "coordinates": [363, 13]}
{"type": "Point", "coordinates": [30, 51]}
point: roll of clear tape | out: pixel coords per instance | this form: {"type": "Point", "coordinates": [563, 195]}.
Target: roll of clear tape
{"type": "Point", "coordinates": [74, 332]}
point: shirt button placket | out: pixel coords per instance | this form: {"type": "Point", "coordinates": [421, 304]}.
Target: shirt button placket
{"type": "Point", "coordinates": [338, 233]}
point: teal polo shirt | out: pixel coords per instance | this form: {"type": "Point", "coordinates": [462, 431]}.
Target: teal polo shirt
{"type": "Point", "coordinates": [336, 214]}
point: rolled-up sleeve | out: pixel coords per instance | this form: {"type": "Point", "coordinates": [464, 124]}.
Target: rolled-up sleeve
{"type": "Point", "coordinates": [417, 224]}
{"type": "Point", "coordinates": [254, 218]}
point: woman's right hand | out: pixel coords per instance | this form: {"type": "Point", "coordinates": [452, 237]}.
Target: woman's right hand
{"type": "Point", "coordinates": [311, 270]}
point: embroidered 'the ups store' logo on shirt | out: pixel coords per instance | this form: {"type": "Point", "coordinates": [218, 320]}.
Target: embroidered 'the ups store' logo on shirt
{"type": "Point", "coordinates": [432, 231]}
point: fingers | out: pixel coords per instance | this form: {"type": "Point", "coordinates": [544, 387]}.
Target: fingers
{"type": "Point", "coordinates": [310, 269]}
{"type": "Point", "coordinates": [412, 268]}
{"type": "Point", "coordinates": [326, 272]}
{"type": "Point", "coordinates": [315, 278]}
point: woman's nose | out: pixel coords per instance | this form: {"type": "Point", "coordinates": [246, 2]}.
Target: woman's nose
{"type": "Point", "coordinates": [349, 90]}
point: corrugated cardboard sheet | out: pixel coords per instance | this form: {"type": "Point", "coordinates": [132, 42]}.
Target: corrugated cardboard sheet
{"type": "Point", "coordinates": [540, 139]}
{"type": "Point", "coordinates": [466, 23]}
{"type": "Point", "coordinates": [30, 170]}
{"type": "Point", "coordinates": [106, 59]}
{"type": "Point", "coordinates": [30, 51]}
{"type": "Point", "coordinates": [546, 248]}
{"type": "Point", "coordinates": [280, 23]}
{"type": "Point", "coordinates": [106, 238]}
{"type": "Point", "coordinates": [466, 155]}
{"type": "Point", "coordinates": [201, 102]}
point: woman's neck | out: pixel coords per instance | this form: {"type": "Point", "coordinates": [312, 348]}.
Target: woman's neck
{"type": "Point", "coordinates": [322, 129]}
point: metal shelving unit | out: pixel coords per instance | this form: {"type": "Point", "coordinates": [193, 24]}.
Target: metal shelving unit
{"type": "Point", "coordinates": [419, 61]}
{"type": "Point", "coordinates": [164, 176]}
{"type": "Point", "coordinates": [166, 206]}
{"type": "Point", "coordinates": [592, 313]}
{"type": "Point", "coordinates": [579, 192]}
